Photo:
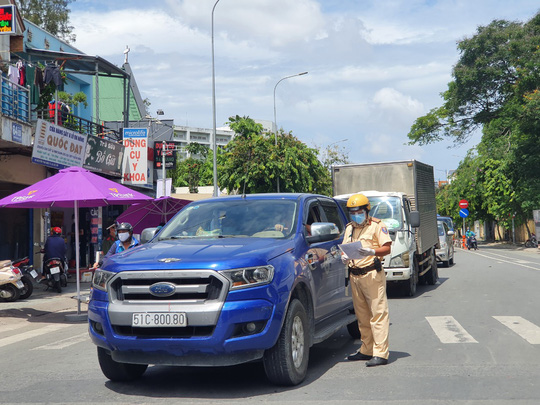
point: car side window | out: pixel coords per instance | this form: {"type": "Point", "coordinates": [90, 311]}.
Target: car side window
{"type": "Point", "coordinates": [331, 212]}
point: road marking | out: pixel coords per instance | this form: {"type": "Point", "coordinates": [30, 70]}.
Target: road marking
{"type": "Point", "coordinates": [31, 334]}
{"type": "Point", "coordinates": [61, 344]}
{"type": "Point", "coordinates": [527, 330]}
{"type": "Point", "coordinates": [448, 330]}
{"type": "Point", "coordinates": [515, 262]}
{"type": "Point", "coordinates": [7, 328]}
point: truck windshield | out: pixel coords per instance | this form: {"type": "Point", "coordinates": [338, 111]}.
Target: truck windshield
{"type": "Point", "coordinates": [387, 209]}
{"type": "Point", "coordinates": [233, 218]}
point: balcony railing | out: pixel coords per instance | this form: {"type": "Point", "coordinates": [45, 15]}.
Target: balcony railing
{"type": "Point", "coordinates": [78, 124]}
{"type": "Point", "coordinates": [15, 101]}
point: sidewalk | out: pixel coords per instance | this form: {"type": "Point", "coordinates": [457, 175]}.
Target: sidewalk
{"type": "Point", "coordinates": [507, 246]}
{"type": "Point", "coordinates": [46, 305]}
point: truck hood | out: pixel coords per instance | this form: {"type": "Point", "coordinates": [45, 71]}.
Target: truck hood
{"type": "Point", "coordinates": [227, 253]}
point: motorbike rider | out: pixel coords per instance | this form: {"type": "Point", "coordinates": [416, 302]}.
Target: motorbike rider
{"type": "Point", "coordinates": [469, 234]}
{"type": "Point", "coordinates": [125, 240]}
{"type": "Point", "coordinates": [55, 246]}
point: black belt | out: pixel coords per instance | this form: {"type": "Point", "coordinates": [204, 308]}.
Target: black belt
{"type": "Point", "coordinates": [362, 270]}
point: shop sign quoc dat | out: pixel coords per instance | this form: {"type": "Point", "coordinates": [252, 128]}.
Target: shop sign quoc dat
{"type": "Point", "coordinates": [58, 147]}
{"type": "Point", "coordinates": [136, 156]}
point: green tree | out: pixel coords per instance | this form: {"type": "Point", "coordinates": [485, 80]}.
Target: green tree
{"type": "Point", "coordinates": [495, 89]}
{"type": "Point", "coordinates": [251, 162]}
{"type": "Point", "coordinates": [51, 15]}
{"type": "Point", "coordinates": [333, 155]}
{"type": "Point", "coordinates": [196, 170]}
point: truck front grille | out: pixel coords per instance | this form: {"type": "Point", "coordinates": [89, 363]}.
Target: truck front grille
{"type": "Point", "coordinates": [189, 286]}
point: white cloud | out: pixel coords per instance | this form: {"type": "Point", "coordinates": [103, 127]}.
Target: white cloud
{"type": "Point", "coordinates": [374, 66]}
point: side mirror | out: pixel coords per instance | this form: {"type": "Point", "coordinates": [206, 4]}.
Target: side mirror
{"type": "Point", "coordinates": [415, 219]}
{"type": "Point", "coordinates": [322, 232]}
{"type": "Point", "coordinates": [147, 234]}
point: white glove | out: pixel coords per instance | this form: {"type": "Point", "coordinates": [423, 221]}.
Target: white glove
{"type": "Point", "coordinates": [367, 251]}
{"type": "Point", "coordinates": [344, 258]}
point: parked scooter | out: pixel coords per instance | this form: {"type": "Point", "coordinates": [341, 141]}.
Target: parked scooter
{"type": "Point", "coordinates": [532, 242]}
{"type": "Point", "coordinates": [28, 276]}
{"type": "Point", "coordinates": [10, 282]}
{"type": "Point", "coordinates": [54, 270]}
{"type": "Point", "coordinates": [471, 243]}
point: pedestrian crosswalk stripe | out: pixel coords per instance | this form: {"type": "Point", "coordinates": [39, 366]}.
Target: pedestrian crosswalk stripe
{"type": "Point", "coordinates": [61, 344]}
{"type": "Point", "coordinates": [448, 330]}
{"type": "Point", "coordinates": [527, 330]}
{"type": "Point", "coordinates": [31, 334]}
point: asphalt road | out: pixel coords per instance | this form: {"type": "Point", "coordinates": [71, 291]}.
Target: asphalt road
{"type": "Point", "coordinates": [473, 338]}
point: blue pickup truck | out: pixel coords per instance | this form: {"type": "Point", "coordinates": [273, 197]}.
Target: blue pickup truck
{"type": "Point", "coordinates": [228, 280]}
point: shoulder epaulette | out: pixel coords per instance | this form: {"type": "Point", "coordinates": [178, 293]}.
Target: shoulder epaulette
{"type": "Point", "coordinates": [376, 220]}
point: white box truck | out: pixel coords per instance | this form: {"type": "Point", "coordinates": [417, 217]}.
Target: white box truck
{"type": "Point", "coordinates": [402, 195]}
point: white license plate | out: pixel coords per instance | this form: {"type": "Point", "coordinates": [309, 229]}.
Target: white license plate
{"type": "Point", "coordinates": [152, 319]}
{"type": "Point", "coordinates": [34, 273]}
{"type": "Point", "coordinates": [20, 284]}
{"type": "Point", "coordinates": [55, 270]}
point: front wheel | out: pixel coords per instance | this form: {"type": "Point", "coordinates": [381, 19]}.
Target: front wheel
{"type": "Point", "coordinates": [28, 288]}
{"type": "Point", "coordinates": [9, 293]}
{"type": "Point", "coordinates": [409, 286]}
{"type": "Point", "coordinates": [528, 244]}
{"type": "Point", "coordinates": [116, 371]}
{"type": "Point", "coordinates": [286, 363]}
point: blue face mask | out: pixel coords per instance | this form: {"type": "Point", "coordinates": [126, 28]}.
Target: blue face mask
{"type": "Point", "coordinates": [358, 218]}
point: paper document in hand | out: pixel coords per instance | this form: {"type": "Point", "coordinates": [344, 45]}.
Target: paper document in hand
{"type": "Point", "coordinates": [352, 250]}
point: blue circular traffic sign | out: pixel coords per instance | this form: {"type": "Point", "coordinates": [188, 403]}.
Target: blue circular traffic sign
{"type": "Point", "coordinates": [464, 213]}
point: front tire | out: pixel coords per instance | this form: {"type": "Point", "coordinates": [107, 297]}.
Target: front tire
{"type": "Point", "coordinates": [286, 363]}
{"type": "Point", "coordinates": [28, 287]}
{"type": "Point", "coordinates": [10, 293]}
{"type": "Point", "coordinates": [409, 286]}
{"type": "Point", "coordinates": [116, 371]}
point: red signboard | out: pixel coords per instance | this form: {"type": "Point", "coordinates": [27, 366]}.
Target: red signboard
{"type": "Point", "coordinates": [463, 204]}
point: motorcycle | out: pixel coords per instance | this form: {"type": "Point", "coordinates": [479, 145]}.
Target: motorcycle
{"type": "Point", "coordinates": [54, 270]}
{"type": "Point", "coordinates": [10, 282]}
{"type": "Point", "coordinates": [28, 276]}
{"type": "Point", "coordinates": [471, 243]}
{"type": "Point", "coordinates": [532, 242]}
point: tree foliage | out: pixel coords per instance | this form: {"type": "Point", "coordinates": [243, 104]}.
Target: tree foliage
{"type": "Point", "coordinates": [495, 89]}
{"type": "Point", "coordinates": [51, 15]}
{"type": "Point", "coordinates": [196, 170]}
{"type": "Point", "coordinates": [251, 162]}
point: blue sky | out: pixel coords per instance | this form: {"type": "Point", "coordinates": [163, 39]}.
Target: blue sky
{"type": "Point", "coordinates": [374, 66]}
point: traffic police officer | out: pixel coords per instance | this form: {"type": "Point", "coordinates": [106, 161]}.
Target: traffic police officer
{"type": "Point", "coordinates": [368, 281]}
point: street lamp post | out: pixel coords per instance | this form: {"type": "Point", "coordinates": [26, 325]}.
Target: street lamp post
{"type": "Point", "coordinates": [275, 121]}
{"type": "Point", "coordinates": [214, 142]}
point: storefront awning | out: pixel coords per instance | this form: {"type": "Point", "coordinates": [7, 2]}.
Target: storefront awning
{"type": "Point", "coordinates": [75, 62]}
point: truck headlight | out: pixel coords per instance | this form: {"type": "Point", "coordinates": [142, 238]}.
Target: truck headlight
{"type": "Point", "coordinates": [100, 279]}
{"type": "Point", "coordinates": [401, 260]}
{"type": "Point", "coordinates": [249, 277]}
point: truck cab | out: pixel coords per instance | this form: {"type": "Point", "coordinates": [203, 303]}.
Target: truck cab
{"type": "Point", "coordinates": [228, 280]}
{"type": "Point", "coordinates": [394, 210]}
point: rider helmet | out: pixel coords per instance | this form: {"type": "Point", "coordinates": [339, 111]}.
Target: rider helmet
{"type": "Point", "coordinates": [56, 231]}
{"type": "Point", "coordinates": [124, 226]}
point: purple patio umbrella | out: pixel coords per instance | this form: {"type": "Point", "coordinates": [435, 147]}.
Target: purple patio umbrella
{"type": "Point", "coordinates": [151, 213]}
{"type": "Point", "coordinates": [73, 187]}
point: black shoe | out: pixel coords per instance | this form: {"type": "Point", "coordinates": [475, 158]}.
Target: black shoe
{"type": "Point", "coordinates": [358, 356]}
{"type": "Point", "coordinates": [376, 361]}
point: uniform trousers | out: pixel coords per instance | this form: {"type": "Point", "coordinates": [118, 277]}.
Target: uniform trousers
{"type": "Point", "coordinates": [371, 308]}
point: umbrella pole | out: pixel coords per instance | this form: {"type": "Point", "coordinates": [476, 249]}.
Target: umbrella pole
{"type": "Point", "coordinates": [76, 208]}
